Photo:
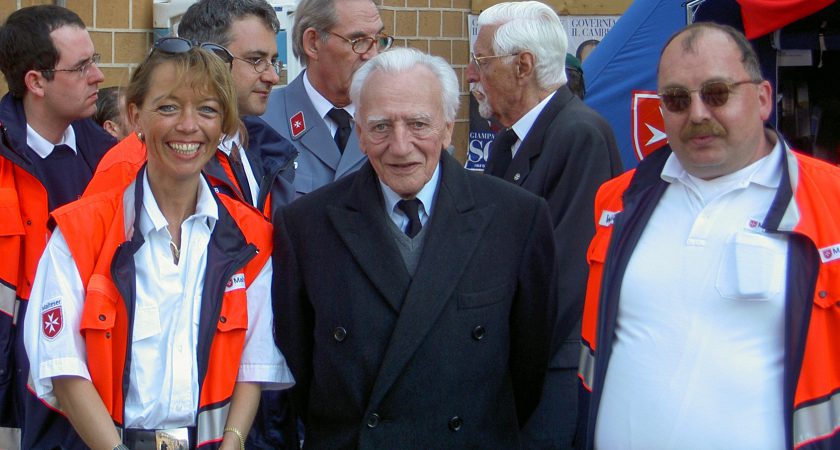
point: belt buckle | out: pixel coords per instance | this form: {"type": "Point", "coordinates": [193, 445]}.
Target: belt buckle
{"type": "Point", "coordinates": [172, 439]}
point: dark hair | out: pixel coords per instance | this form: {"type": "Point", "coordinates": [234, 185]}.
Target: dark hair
{"type": "Point", "coordinates": [107, 105]}
{"type": "Point", "coordinates": [575, 82]}
{"type": "Point", "coordinates": [210, 20]}
{"type": "Point", "coordinates": [25, 42]}
{"type": "Point", "coordinates": [583, 45]}
{"type": "Point", "coordinates": [748, 56]}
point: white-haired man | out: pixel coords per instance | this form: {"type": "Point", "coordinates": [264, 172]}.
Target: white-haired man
{"type": "Point", "coordinates": [558, 148]}
{"type": "Point", "coordinates": [433, 327]}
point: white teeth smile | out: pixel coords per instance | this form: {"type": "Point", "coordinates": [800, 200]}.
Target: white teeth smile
{"type": "Point", "coordinates": [184, 149]}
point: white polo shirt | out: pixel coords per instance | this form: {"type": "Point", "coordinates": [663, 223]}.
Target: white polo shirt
{"type": "Point", "coordinates": [697, 360]}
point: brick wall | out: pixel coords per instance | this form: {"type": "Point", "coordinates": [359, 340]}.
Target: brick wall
{"type": "Point", "coordinates": [121, 31]}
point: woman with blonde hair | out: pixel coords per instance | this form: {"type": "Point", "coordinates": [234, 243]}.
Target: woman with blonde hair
{"type": "Point", "coordinates": [154, 321]}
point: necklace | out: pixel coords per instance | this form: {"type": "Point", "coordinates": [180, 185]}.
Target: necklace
{"type": "Point", "coordinates": [176, 252]}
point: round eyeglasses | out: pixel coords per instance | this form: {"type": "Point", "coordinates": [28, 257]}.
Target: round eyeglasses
{"type": "Point", "coordinates": [261, 65]}
{"type": "Point", "coordinates": [362, 45]}
{"type": "Point", "coordinates": [83, 69]}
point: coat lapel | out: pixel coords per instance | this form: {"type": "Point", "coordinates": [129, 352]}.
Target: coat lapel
{"type": "Point", "coordinates": [456, 229]}
{"type": "Point", "coordinates": [532, 145]}
{"type": "Point", "coordinates": [361, 224]}
{"type": "Point", "coordinates": [315, 136]}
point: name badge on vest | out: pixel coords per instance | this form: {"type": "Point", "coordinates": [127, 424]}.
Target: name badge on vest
{"type": "Point", "coordinates": [607, 218]}
{"type": "Point", "coordinates": [236, 282]}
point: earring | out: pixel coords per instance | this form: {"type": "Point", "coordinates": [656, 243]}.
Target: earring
{"type": "Point", "coordinates": [140, 136]}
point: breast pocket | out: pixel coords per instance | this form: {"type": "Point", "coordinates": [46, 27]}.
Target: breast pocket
{"type": "Point", "coordinates": [752, 266]}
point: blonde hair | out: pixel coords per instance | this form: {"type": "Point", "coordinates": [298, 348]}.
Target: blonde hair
{"type": "Point", "coordinates": [199, 68]}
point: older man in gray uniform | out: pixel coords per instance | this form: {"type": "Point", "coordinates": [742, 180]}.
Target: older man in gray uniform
{"type": "Point", "coordinates": [332, 39]}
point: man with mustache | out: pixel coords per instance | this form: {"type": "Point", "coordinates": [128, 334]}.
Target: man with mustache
{"type": "Point", "coordinates": [555, 147]}
{"type": "Point", "coordinates": [712, 311]}
{"type": "Point", "coordinates": [49, 149]}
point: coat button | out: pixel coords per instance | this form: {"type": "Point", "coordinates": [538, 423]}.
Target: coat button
{"type": "Point", "coordinates": [339, 334]}
{"type": "Point", "coordinates": [455, 423]}
{"type": "Point", "coordinates": [223, 319]}
{"type": "Point", "coordinates": [478, 333]}
{"type": "Point", "coordinates": [102, 317]}
{"type": "Point", "coordinates": [107, 335]}
{"type": "Point", "coordinates": [517, 177]}
{"type": "Point", "coordinates": [29, 221]}
{"type": "Point", "coordinates": [823, 294]}
{"type": "Point", "coordinates": [373, 420]}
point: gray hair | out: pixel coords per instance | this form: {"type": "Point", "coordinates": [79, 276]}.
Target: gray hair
{"type": "Point", "coordinates": [534, 27]}
{"type": "Point", "coordinates": [403, 59]}
{"type": "Point", "coordinates": [317, 14]}
{"type": "Point", "coordinates": [210, 20]}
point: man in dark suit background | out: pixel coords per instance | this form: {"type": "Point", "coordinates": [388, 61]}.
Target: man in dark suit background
{"type": "Point", "coordinates": [413, 297]}
{"type": "Point", "coordinates": [332, 39]}
{"type": "Point", "coordinates": [557, 148]}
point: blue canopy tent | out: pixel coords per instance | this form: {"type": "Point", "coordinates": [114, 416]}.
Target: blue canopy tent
{"type": "Point", "coordinates": [621, 72]}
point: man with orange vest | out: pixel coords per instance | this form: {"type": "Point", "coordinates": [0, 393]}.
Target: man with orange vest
{"type": "Point", "coordinates": [712, 311]}
{"type": "Point", "coordinates": [49, 149]}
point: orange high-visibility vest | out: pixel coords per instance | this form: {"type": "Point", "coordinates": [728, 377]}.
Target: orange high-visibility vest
{"type": "Point", "coordinates": [805, 208]}
{"type": "Point", "coordinates": [96, 233]}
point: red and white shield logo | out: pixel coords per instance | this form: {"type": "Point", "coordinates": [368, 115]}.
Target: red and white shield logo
{"type": "Point", "coordinates": [52, 322]}
{"type": "Point", "coordinates": [648, 125]}
{"type": "Point", "coordinates": [297, 124]}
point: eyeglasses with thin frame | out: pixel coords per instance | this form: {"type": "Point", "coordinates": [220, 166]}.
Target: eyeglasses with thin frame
{"type": "Point", "coordinates": [261, 65]}
{"type": "Point", "coordinates": [83, 69]}
{"type": "Point", "coordinates": [362, 45]}
{"type": "Point", "coordinates": [478, 59]}
{"type": "Point", "coordinates": [713, 94]}
{"type": "Point", "coordinates": [174, 45]}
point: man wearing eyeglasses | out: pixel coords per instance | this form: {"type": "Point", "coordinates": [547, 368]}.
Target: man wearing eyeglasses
{"type": "Point", "coordinates": [712, 312]}
{"type": "Point", "coordinates": [261, 171]}
{"type": "Point", "coordinates": [332, 39]}
{"type": "Point", "coordinates": [558, 148]}
{"type": "Point", "coordinates": [49, 149]}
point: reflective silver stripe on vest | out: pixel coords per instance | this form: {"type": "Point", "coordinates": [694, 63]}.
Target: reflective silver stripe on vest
{"type": "Point", "coordinates": [211, 424]}
{"type": "Point", "coordinates": [8, 302]}
{"type": "Point", "coordinates": [817, 421]}
{"type": "Point", "coordinates": [586, 367]}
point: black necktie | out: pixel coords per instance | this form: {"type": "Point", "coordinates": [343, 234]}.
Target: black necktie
{"type": "Point", "coordinates": [411, 209]}
{"type": "Point", "coordinates": [342, 118]}
{"type": "Point", "coordinates": [501, 152]}
{"type": "Point", "coordinates": [235, 160]}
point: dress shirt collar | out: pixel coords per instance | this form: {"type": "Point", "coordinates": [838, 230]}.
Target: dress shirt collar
{"type": "Point", "coordinates": [524, 124]}
{"type": "Point", "coordinates": [227, 143]}
{"type": "Point", "coordinates": [426, 197]}
{"type": "Point", "coordinates": [43, 147]}
{"type": "Point", "coordinates": [152, 219]}
{"type": "Point", "coordinates": [321, 104]}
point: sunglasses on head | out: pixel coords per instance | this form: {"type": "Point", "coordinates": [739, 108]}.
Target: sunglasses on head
{"type": "Point", "coordinates": [174, 45]}
{"type": "Point", "coordinates": [712, 93]}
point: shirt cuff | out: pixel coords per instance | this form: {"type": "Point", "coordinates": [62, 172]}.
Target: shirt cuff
{"type": "Point", "coordinates": [271, 377]}
{"type": "Point", "coordinates": [59, 367]}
